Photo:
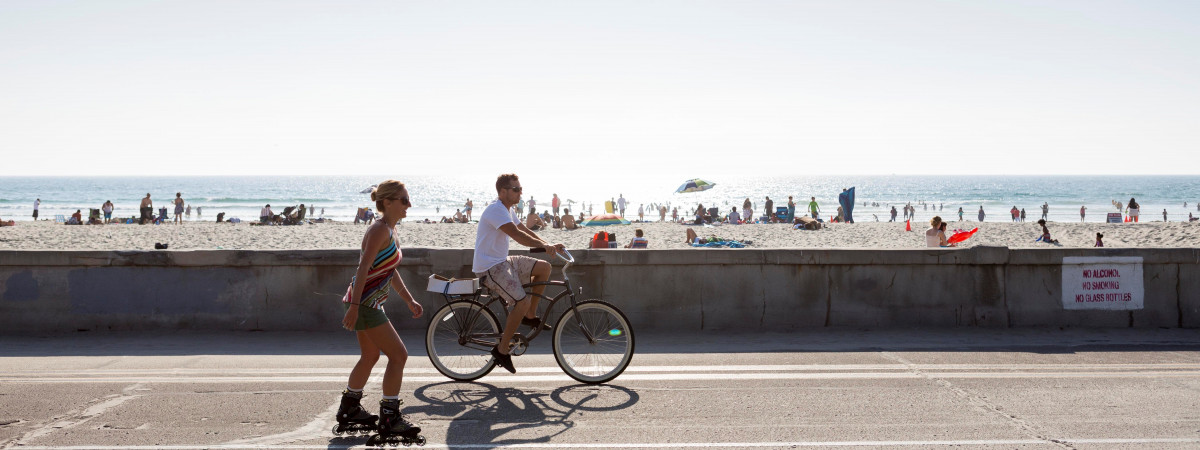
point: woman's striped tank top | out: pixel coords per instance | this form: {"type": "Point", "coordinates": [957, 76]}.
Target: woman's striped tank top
{"type": "Point", "coordinates": [375, 288]}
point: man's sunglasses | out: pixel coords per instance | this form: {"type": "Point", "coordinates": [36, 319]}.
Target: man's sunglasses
{"type": "Point", "coordinates": [516, 189]}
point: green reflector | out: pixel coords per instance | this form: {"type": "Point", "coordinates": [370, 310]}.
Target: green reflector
{"type": "Point", "coordinates": [614, 332]}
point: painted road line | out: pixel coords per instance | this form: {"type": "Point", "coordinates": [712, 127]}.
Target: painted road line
{"type": "Point", "coordinates": [925, 443]}
{"type": "Point", "coordinates": [503, 378]}
{"type": "Point", "coordinates": [631, 369]}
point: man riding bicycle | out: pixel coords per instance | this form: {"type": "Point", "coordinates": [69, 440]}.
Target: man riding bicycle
{"type": "Point", "coordinates": [504, 275]}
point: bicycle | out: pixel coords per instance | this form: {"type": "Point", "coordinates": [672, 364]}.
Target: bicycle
{"type": "Point", "coordinates": [593, 340]}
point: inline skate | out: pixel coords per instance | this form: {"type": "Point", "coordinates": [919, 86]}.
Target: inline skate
{"type": "Point", "coordinates": [394, 429]}
{"type": "Point", "coordinates": [352, 417]}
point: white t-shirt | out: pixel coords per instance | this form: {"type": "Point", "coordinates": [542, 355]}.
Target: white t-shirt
{"type": "Point", "coordinates": [36, 204]}
{"type": "Point", "coordinates": [265, 212]}
{"type": "Point", "coordinates": [621, 203]}
{"type": "Point", "coordinates": [491, 244]}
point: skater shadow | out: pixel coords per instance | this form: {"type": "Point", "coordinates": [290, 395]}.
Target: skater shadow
{"type": "Point", "coordinates": [483, 414]}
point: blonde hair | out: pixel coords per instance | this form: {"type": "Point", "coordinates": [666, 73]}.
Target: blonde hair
{"type": "Point", "coordinates": [384, 190]}
{"type": "Point", "coordinates": [935, 221]}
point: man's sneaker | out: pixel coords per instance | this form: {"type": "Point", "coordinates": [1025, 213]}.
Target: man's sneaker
{"type": "Point", "coordinates": [535, 322]}
{"type": "Point", "coordinates": [503, 360]}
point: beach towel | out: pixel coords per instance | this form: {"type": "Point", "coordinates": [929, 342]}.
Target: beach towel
{"type": "Point", "coordinates": [715, 244]}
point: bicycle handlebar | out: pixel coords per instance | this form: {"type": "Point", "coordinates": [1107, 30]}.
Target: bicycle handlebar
{"type": "Point", "coordinates": [564, 255]}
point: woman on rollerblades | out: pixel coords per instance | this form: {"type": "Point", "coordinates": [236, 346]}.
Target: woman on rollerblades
{"type": "Point", "coordinates": [363, 303]}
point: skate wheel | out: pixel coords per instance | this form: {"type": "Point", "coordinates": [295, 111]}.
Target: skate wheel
{"type": "Point", "coordinates": [420, 441]}
{"type": "Point", "coordinates": [336, 430]}
{"type": "Point", "coordinates": [374, 441]}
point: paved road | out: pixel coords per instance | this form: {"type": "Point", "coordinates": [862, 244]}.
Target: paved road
{"type": "Point", "coordinates": [1042, 388]}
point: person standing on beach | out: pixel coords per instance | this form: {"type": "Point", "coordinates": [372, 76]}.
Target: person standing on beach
{"type": "Point", "coordinates": [467, 209]}
{"type": "Point", "coordinates": [621, 204]}
{"type": "Point", "coordinates": [107, 208]}
{"type": "Point", "coordinates": [1045, 211]}
{"type": "Point", "coordinates": [981, 213]}
{"type": "Point", "coordinates": [364, 299]}
{"type": "Point", "coordinates": [1082, 212]}
{"type": "Point", "coordinates": [178, 207]}
{"type": "Point", "coordinates": [1134, 209]}
{"type": "Point", "coordinates": [893, 214]}
{"type": "Point", "coordinates": [1164, 215]}
{"type": "Point", "coordinates": [188, 212]}
{"type": "Point", "coordinates": [555, 202]}
{"type": "Point", "coordinates": [198, 212]}
{"type": "Point", "coordinates": [147, 209]}
{"type": "Point", "coordinates": [767, 207]}
{"type": "Point", "coordinates": [815, 211]}
{"type": "Point", "coordinates": [747, 211]}
{"type": "Point", "coordinates": [960, 214]}
{"type": "Point", "coordinates": [36, 204]}
{"type": "Point", "coordinates": [1014, 213]}
{"type": "Point", "coordinates": [504, 275]}
{"type": "Point", "coordinates": [641, 213]}
{"type": "Point", "coordinates": [1022, 215]}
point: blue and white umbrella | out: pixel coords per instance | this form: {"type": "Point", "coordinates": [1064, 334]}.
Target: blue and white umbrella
{"type": "Point", "coordinates": [695, 185]}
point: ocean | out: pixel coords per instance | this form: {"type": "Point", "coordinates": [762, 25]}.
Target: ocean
{"type": "Point", "coordinates": [435, 196]}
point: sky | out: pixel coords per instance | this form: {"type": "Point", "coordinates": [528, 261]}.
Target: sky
{"type": "Point", "coordinates": [635, 88]}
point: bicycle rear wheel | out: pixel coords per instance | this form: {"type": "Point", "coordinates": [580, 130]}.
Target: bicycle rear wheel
{"type": "Point", "coordinates": [459, 339]}
{"type": "Point", "coordinates": [593, 342]}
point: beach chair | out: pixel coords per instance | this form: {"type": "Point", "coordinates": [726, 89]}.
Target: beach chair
{"type": "Point", "coordinates": [599, 240]}
{"type": "Point", "coordinates": [781, 212]}
{"type": "Point", "coordinates": [640, 242]}
{"type": "Point", "coordinates": [59, 218]}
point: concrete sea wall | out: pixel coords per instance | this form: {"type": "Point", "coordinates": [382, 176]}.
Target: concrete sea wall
{"type": "Point", "coordinates": [711, 289]}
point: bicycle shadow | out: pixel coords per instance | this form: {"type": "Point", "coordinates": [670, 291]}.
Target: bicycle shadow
{"type": "Point", "coordinates": [485, 414]}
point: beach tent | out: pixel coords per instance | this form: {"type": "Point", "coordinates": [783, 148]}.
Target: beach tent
{"type": "Point", "coordinates": [601, 220]}
{"type": "Point", "coordinates": [846, 199]}
{"type": "Point", "coordinates": [694, 185]}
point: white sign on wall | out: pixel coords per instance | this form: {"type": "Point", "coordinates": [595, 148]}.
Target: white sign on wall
{"type": "Point", "coordinates": [1105, 283]}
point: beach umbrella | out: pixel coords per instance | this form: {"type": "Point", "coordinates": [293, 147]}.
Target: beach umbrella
{"type": "Point", "coordinates": [601, 220]}
{"type": "Point", "coordinates": [695, 185]}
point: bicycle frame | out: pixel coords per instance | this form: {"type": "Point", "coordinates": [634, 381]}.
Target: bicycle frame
{"type": "Point", "coordinates": [482, 339]}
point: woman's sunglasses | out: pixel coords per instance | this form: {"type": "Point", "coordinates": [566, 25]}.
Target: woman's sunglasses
{"type": "Point", "coordinates": [403, 200]}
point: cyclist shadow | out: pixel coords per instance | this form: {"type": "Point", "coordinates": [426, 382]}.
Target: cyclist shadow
{"type": "Point", "coordinates": [485, 414]}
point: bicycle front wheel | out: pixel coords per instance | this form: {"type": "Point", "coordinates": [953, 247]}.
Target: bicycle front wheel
{"type": "Point", "coordinates": [460, 338]}
{"type": "Point", "coordinates": [593, 342]}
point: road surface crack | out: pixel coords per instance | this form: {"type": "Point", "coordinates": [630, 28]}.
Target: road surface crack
{"type": "Point", "coordinates": [977, 401]}
{"type": "Point", "coordinates": [74, 418]}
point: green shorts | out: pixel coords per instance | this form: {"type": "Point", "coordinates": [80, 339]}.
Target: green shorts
{"type": "Point", "coordinates": [367, 317]}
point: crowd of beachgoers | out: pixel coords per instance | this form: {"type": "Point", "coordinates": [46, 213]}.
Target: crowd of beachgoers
{"type": "Point", "coordinates": [791, 224]}
{"type": "Point", "coordinates": [195, 235]}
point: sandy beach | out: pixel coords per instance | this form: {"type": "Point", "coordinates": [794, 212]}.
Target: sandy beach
{"type": "Point", "coordinates": [45, 235]}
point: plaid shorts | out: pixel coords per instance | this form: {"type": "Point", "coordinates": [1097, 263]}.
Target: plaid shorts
{"type": "Point", "coordinates": [506, 279]}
